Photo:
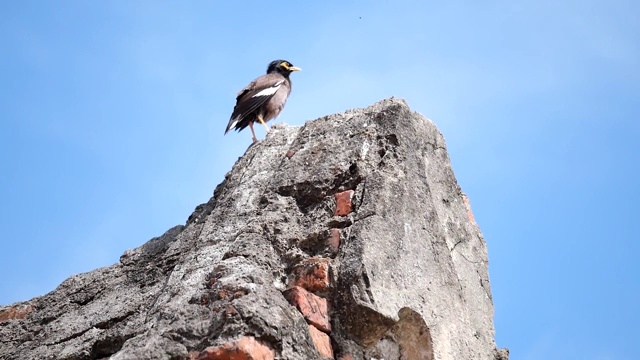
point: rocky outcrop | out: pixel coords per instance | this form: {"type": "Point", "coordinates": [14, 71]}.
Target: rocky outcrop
{"type": "Point", "coordinates": [346, 238]}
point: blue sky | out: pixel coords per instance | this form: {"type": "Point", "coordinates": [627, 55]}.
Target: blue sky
{"type": "Point", "coordinates": [112, 117]}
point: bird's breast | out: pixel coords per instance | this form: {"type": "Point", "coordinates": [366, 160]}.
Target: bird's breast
{"type": "Point", "coordinates": [275, 105]}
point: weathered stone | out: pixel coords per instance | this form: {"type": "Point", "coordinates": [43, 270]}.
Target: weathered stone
{"type": "Point", "coordinates": [502, 354]}
{"type": "Point", "coordinates": [408, 280]}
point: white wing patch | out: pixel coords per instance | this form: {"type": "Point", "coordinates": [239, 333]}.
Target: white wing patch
{"type": "Point", "coordinates": [270, 90]}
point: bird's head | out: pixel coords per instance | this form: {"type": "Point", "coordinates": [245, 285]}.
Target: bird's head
{"type": "Point", "coordinates": [282, 66]}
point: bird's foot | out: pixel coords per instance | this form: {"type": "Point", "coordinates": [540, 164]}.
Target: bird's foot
{"type": "Point", "coordinates": [263, 123]}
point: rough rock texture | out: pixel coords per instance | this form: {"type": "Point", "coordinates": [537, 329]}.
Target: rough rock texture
{"type": "Point", "coordinates": [348, 238]}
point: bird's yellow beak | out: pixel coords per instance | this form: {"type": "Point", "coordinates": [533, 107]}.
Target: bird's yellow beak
{"type": "Point", "coordinates": [294, 68]}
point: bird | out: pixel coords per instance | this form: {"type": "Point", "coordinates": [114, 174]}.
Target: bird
{"type": "Point", "coordinates": [263, 99]}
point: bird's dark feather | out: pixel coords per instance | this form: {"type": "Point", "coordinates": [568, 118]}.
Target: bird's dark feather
{"type": "Point", "coordinates": [247, 104]}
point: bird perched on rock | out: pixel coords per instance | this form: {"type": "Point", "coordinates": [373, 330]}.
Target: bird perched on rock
{"type": "Point", "coordinates": [264, 98]}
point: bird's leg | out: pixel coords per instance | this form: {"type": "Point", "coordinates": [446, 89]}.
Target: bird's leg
{"type": "Point", "coordinates": [262, 122]}
{"type": "Point", "coordinates": [253, 133]}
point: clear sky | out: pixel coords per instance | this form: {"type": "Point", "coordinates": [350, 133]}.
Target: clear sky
{"type": "Point", "coordinates": [112, 116]}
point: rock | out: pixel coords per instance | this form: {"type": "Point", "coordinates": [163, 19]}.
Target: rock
{"type": "Point", "coordinates": [356, 218]}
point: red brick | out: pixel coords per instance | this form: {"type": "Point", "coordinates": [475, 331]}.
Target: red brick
{"type": "Point", "coordinates": [246, 348]}
{"type": "Point", "coordinates": [230, 311]}
{"type": "Point", "coordinates": [16, 312]}
{"type": "Point", "coordinates": [467, 204]}
{"type": "Point", "coordinates": [313, 308]}
{"type": "Point", "coordinates": [334, 239]}
{"type": "Point", "coordinates": [321, 341]}
{"type": "Point", "coordinates": [343, 203]}
{"type": "Point", "coordinates": [312, 274]}
{"type": "Point", "coordinates": [239, 294]}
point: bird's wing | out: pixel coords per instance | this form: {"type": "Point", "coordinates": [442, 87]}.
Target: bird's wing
{"type": "Point", "coordinates": [254, 95]}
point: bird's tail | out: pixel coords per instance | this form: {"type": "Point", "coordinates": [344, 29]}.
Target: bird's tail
{"type": "Point", "coordinates": [232, 123]}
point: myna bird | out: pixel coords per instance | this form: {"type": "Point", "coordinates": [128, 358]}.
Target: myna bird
{"type": "Point", "coordinates": [264, 98]}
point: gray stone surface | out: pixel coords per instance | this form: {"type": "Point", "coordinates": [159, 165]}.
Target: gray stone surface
{"type": "Point", "coordinates": [409, 280]}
